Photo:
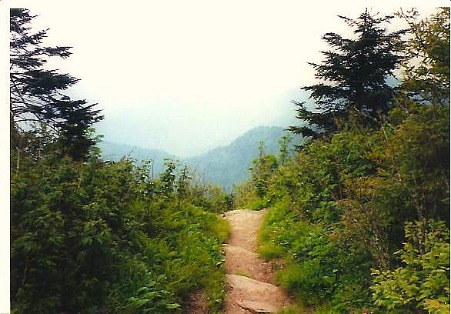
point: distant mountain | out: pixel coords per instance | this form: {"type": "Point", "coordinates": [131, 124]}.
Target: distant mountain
{"type": "Point", "coordinates": [229, 165]}
{"type": "Point", "coordinates": [115, 151]}
{"type": "Point", "coordinates": [223, 166]}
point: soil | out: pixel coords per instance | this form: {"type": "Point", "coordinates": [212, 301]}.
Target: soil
{"type": "Point", "coordinates": [250, 280]}
{"type": "Point", "coordinates": [197, 304]}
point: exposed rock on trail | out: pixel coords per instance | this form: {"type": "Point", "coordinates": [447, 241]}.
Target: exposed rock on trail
{"type": "Point", "coordinates": [250, 280]}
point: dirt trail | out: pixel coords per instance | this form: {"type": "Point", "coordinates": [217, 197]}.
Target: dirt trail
{"type": "Point", "coordinates": [250, 280]}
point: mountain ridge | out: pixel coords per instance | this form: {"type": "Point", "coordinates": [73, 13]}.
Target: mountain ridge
{"type": "Point", "coordinates": [225, 165]}
{"type": "Point", "coordinates": [229, 165]}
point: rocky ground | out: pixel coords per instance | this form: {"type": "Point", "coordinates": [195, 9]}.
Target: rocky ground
{"type": "Point", "coordinates": [250, 280]}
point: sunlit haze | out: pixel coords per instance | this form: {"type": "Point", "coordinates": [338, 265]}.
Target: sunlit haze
{"type": "Point", "coordinates": [187, 76]}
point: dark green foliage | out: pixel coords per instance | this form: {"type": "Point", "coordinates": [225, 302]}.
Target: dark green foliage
{"type": "Point", "coordinates": [262, 169]}
{"type": "Point", "coordinates": [423, 279]}
{"type": "Point", "coordinates": [105, 236]}
{"type": "Point", "coordinates": [425, 136]}
{"type": "Point", "coordinates": [37, 93]}
{"type": "Point", "coordinates": [284, 151]}
{"type": "Point", "coordinates": [361, 217]}
{"type": "Point", "coordinates": [342, 204]}
{"type": "Point", "coordinates": [368, 201]}
{"type": "Point", "coordinates": [168, 178]}
{"type": "Point", "coordinates": [353, 73]}
{"type": "Point", "coordinates": [181, 186]}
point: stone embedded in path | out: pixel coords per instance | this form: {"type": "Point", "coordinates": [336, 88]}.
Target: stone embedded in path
{"type": "Point", "coordinates": [256, 290]}
{"type": "Point", "coordinates": [256, 307]}
{"type": "Point", "coordinates": [255, 296]}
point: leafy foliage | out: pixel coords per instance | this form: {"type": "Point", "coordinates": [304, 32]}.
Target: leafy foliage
{"type": "Point", "coordinates": [361, 218]}
{"type": "Point", "coordinates": [105, 236]}
{"type": "Point", "coordinates": [423, 279]}
{"type": "Point", "coordinates": [426, 74]}
{"type": "Point", "coordinates": [340, 206]}
{"type": "Point", "coordinates": [261, 171]}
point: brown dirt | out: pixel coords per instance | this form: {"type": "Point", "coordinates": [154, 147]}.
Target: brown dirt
{"type": "Point", "coordinates": [250, 280]}
{"type": "Point", "coordinates": [197, 304]}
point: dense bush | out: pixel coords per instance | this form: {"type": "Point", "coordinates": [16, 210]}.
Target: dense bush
{"type": "Point", "coordinates": [340, 207]}
{"type": "Point", "coordinates": [422, 281]}
{"type": "Point", "coordinates": [102, 236]}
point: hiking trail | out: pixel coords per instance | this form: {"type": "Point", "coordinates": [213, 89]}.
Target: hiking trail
{"type": "Point", "coordinates": [249, 279]}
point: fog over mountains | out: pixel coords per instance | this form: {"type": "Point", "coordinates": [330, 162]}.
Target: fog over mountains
{"type": "Point", "coordinates": [115, 151]}
{"type": "Point", "coordinates": [225, 165]}
{"type": "Point", "coordinates": [186, 130]}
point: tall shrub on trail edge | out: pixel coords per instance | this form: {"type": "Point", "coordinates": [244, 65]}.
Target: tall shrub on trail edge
{"type": "Point", "coordinates": [262, 169]}
{"type": "Point", "coordinates": [422, 281]}
{"type": "Point", "coordinates": [359, 188]}
{"type": "Point", "coordinates": [366, 186]}
{"type": "Point", "coordinates": [418, 157]}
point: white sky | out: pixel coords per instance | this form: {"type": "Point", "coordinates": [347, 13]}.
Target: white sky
{"type": "Point", "coordinates": [186, 76]}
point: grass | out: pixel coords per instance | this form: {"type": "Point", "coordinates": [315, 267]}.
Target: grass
{"type": "Point", "coordinates": [221, 228]}
{"type": "Point", "coordinates": [292, 276]}
{"type": "Point", "coordinates": [294, 309]}
{"type": "Point", "coordinates": [270, 251]}
{"type": "Point", "coordinates": [214, 283]}
{"type": "Point", "coordinates": [299, 308]}
{"type": "Point", "coordinates": [215, 291]}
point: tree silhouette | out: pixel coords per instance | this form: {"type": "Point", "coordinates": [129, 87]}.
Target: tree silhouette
{"type": "Point", "coordinates": [354, 75]}
{"type": "Point", "coordinates": [37, 97]}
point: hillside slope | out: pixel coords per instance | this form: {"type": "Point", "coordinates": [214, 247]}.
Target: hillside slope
{"type": "Point", "coordinates": [223, 166]}
{"type": "Point", "coordinates": [229, 165]}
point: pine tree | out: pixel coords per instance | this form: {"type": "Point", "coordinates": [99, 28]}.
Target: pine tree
{"type": "Point", "coordinates": [37, 97]}
{"type": "Point", "coordinates": [354, 76]}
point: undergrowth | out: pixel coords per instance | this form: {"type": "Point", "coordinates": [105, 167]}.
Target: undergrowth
{"type": "Point", "coordinates": [105, 237]}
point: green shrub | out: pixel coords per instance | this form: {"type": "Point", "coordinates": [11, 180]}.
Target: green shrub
{"type": "Point", "coordinates": [422, 281]}
{"type": "Point", "coordinates": [103, 236]}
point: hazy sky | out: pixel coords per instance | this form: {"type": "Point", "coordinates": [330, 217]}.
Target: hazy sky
{"type": "Point", "coordinates": [186, 76]}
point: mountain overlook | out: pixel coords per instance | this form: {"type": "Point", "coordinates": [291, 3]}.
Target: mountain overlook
{"type": "Point", "coordinates": [224, 165]}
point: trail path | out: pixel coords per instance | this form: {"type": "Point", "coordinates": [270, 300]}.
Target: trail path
{"type": "Point", "coordinates": [250, 280]}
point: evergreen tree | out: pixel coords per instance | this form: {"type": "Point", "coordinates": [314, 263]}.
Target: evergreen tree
{"type": "Point", "coordinates": [37, 92]}
{"type": "Point", "coordinates": [354, 78]}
